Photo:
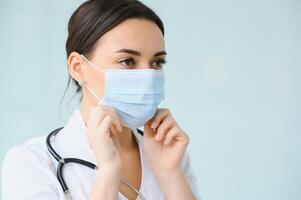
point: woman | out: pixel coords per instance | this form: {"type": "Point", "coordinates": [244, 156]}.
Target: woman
{"type": "Point", "coordinates": [115, 51]}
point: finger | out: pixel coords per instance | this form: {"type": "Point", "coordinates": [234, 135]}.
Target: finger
{"type": "Point", "coordinates": [149, 122]}
{"type": "Point", "coordinates": [164, 127]}
{"type": "Point", "coordinates": [110, 108]}
{"type": "Point", "coordinates": [115, 118]}
{"type": "Point", "coordinates": [171, 135]}
{"type": "Point", "coordinates": [160, 115]}
{"type": "Point", "coordinates": [148, 132]}
{"type": "Point", "coordinates": [105, 126]}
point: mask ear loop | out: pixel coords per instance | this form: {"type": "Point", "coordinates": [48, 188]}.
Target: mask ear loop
{"type": "Point", "coordinates": [81, 82]}
{"type": "Point", "coordinates": [91, 63]}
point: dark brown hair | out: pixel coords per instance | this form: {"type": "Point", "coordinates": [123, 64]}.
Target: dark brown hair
{"type": "Point", "coordinates": [94, 18]}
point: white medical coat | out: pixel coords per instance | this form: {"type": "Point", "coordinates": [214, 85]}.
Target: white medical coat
{"type": "Point", "coordinates": [29, 170]}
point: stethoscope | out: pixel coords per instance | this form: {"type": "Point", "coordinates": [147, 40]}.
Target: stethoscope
{"type": "Point", "coordinates": [63, 161]}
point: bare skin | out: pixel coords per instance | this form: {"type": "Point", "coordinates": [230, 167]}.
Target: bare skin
{"type": "Point", "coordinates": [116, 151]}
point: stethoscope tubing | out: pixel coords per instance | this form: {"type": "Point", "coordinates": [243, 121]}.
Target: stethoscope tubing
{"type": "Point", "coordinates": [63, 161]}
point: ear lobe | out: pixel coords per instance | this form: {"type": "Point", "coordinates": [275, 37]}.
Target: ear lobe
{"type": "Point", "coordinates": [81, 82]}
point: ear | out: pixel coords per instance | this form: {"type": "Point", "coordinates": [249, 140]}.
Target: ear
{"type": "Point", "coordinates": [76, 66]}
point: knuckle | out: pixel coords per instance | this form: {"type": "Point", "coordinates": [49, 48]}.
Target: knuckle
{"type": "Point", "coordinates": [176, 129]}
{"type": "Point", "coordinates": [160, 109]}
{"type": "Point", "coordinates": [101, 108]}
{"type": "Point", "coordinates": [166, 110]}
{"type": "Point", "coordinates": [170, 120]}
{"type": "Point", "coordinates": [159, 112]}
{"type": "Point", "coordinates": [109, 117]}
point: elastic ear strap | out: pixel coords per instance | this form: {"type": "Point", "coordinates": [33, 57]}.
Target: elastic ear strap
{"type": "Point", "coordinates": [93, 93]}
{"type": "Point", "coordinates": [81, 83]}
{"type": "Point", "coordinates": [91, 63]}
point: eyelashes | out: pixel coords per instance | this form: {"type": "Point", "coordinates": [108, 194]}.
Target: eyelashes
{"type": "Point", "coordinates": [160, 62]}
{"type": "Point", "coordinates": [131, 62]}
{"type": "Point", "coordinates": [128, 61]}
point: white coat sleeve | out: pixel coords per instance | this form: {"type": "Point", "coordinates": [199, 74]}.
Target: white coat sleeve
{"type": "Point", "coordinates": [190, 176]}
{"type": "Point", "coordinates": [25, 177]}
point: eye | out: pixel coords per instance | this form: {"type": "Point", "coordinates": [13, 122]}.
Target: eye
{"type": "Point", "coordinates": [158, 64]}
{"type": "Point", "coordinates": [128, 62]}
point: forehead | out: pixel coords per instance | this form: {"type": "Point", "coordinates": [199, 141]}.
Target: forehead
{"type": "Point", "coordinates": [137, 34]}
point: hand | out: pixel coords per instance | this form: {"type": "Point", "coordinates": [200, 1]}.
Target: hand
{"type": "Point", "coordinates": [164, 146]}
{"type": "Point", "coordinates": [164, 142]}
{"type": "Point", "coordinates": [103, 121]}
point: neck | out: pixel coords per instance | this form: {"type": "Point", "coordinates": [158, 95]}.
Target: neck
{"type": "Point", "coordinates": [125, 137]}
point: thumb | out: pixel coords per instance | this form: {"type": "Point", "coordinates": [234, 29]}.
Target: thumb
{"type": "Point", "coordinates": [148, 131]}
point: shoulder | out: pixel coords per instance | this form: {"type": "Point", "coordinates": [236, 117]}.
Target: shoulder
{"type": "Point", "coordinates": [30, 154]}
{"type": "Point", "coordinates": [28, 167]}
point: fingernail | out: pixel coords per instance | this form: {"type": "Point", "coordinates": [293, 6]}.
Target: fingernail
{"type": "Point", "coordinates": [153, 126]}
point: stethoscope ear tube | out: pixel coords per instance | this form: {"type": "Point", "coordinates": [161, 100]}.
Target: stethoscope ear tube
{"type": "Point", "coordinates": [49, 146]}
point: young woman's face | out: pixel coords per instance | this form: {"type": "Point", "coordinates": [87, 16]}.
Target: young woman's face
{"type": "Point", "coordinates": [132, 44]}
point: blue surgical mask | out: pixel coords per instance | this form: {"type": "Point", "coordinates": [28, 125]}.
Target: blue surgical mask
{"type": "Point", "coordinates": [135, 94]}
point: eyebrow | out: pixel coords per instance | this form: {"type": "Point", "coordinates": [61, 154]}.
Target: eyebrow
{"type": "Point", "coordinates": [137, 53]}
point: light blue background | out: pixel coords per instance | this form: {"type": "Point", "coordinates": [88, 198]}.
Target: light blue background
{"type": "Point", "coordinates": [233, 83]}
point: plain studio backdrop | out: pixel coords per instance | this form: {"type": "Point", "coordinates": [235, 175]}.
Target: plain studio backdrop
{"type": "Point", "coordinates": [233, 83]}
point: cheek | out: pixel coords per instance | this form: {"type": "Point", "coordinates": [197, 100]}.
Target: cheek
{"type": "Point", "coordinates": [96, 82]}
